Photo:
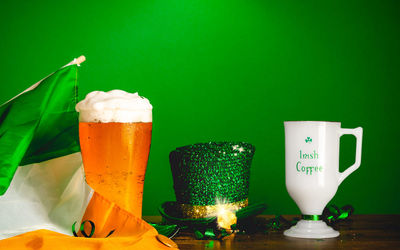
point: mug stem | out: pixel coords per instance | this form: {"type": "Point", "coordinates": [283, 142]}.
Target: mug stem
{"type": "Point", "coordinates": [310, 217]}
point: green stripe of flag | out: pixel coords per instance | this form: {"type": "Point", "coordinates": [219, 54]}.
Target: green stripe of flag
{"type": "Point", "coordinates": [40, 124]}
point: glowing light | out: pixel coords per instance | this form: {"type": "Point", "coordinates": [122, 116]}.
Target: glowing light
{"type": "Point", "coordinates": [226, 219]}
{"type": "Point", "coordinates": [225, 213]}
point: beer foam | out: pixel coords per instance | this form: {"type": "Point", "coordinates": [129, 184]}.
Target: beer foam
{"type": "Point", "coordinates": [114, 106]}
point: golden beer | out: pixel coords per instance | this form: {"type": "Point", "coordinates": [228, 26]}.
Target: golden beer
{"type": "Point", "coordinates": [115, 158]}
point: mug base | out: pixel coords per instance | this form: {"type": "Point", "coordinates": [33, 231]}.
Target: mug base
{"type": "Point", "coordinates": [311, 230]}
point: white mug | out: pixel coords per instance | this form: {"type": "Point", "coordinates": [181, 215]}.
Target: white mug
{"type": "Point", "coordinates": [312, 171]}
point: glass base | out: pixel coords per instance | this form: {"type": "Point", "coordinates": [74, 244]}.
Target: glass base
{"type": "Point", "coordinates": [311, 229]}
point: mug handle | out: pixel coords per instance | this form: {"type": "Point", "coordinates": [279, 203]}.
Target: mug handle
{"type": "Point", "coordinates": [357, 132]}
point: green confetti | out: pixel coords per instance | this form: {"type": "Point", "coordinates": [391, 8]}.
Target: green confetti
{"type": "Point", "coordinates": [198, 235]}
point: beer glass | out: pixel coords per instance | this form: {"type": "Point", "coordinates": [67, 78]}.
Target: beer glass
{"type": "Point", "coordinates": [312, 171]}
{"type": "Point", "coordinates": [115, 141]}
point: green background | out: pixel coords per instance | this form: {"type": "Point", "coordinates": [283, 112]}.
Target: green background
{"type": "Point", "coordinates": [230, 70]}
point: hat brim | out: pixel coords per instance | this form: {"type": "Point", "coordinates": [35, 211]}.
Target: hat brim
{"type": "Point", "coordinates": [168, 211]}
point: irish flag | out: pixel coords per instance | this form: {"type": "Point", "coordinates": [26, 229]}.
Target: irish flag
{"type": "Point", "coordinates": [42, 180]}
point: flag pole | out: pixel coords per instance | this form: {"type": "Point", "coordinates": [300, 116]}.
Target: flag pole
{"type": "Point", "coordinates": [77, 61]}
{"type": "Point", "coordinates": [80, 59]}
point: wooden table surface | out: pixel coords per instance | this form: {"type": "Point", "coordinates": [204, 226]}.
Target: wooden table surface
{"type": "Point", "coordinates": [357, 232]}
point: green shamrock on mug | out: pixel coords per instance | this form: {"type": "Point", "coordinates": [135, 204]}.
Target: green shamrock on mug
{"type": "Point", "coordinates": [308, 140]}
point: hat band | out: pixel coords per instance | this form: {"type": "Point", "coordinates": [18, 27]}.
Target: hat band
{"type": "Point", "coordinates": [204, 211]}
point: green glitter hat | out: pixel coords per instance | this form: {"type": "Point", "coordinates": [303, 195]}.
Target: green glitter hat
{"type": "Point", "coordinates": [207, 175]}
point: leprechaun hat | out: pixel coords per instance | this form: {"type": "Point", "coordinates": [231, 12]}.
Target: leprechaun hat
{"type": "Point", "coordinates": [209, 177]}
